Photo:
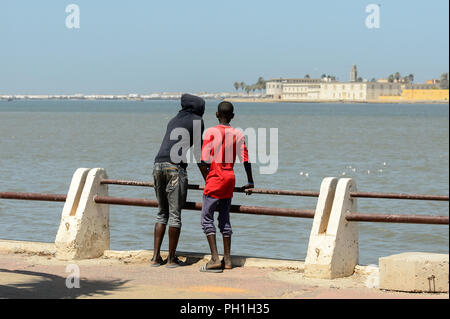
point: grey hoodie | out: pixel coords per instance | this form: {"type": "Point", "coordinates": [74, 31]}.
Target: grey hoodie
{"type": "Point", "coordinates": [192, 108]}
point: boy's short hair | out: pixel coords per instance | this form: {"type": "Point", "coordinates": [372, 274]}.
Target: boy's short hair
{"type": "Point", "coordinates": [225, 108]}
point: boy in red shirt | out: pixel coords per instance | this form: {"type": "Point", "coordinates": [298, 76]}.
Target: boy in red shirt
{"type": "Point", "coordinates": [221, 145]}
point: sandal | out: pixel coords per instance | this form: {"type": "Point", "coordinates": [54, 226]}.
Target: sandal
{"type": "Point", "coordinates": [158, 264]}
{"type": "Point", "coordinates": [214, 270]}
{"type": "Point", "coordinates": [177, 263]}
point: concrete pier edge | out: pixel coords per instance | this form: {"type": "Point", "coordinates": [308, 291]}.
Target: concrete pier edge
{"type": "Point", "coordinates": [144, 256]}
{"type": "Point", "coordinates": [31, 270]}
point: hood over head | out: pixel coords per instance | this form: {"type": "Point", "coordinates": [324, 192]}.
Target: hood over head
{"type": "Point", "coordinates": [192, 103]}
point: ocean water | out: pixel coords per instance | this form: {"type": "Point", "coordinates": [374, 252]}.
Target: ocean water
{"type": "Point", "coordinates": [384, 147]}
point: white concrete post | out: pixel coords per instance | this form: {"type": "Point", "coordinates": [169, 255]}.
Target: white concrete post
{"type": "Point", "coordinates": [314, 262]}
{"type": "Point", "coordinates": [84, 229]}
{"type": "Point", "coordinates": [333, 243]}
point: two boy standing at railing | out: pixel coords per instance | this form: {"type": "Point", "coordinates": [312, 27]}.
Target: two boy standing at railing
{"type": "Point", "coordinates": [218, 153]}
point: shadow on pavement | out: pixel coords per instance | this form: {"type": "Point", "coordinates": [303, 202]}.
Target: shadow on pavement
{"type": "Point", "coordinates": [50, 286]}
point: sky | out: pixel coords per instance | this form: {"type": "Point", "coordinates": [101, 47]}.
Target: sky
{"type": "Point", "coordinates": [205, 45]}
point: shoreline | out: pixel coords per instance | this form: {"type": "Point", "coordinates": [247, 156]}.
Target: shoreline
{"type": "Point", "coordinates": [236, 100]}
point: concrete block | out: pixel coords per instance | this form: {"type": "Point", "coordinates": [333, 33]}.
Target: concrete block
{"type": "Point", "coordinates": [333, 244]}
{"type": "Point", "coordinates": [315, 261]}
{"type": "Point", "coordinates": [84, 229]}
{"type": "Point", "coordinates": [414, 272]}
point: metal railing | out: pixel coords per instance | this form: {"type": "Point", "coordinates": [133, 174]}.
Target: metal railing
{"type": "Point", "coordinates": [258, 210]}
{"type": "Point", "coordinates": [288, 192]}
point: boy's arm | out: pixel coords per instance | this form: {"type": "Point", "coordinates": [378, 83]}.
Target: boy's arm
{"type": "Point", "coordinates": [204, 169]}
{"type": "Point", "coordinates": [248, 171]}
{"type": "Point", "coordinates": [247, 165]}
{"type": "Point", "coordinates": [204, 163]}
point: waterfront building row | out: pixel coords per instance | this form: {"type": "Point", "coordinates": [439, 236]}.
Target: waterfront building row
{"type": "Point", "coordinates": [318, 89]}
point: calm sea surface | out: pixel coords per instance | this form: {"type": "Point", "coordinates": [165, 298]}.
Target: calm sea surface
{"type": "Point", "coordinates": [385, 148]}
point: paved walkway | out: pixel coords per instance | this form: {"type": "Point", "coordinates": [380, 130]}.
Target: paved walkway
{"type": "Point", "coordinates": [25, 275]}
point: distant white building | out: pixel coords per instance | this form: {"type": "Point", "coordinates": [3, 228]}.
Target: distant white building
{"type": "Point", "coordinates": [274, 88]}
{"type": "Point", "coordinates": [294, 89]}
{"type": "Point", "coordinates": [323, 90]}
{"type": "Point", "coordinates": [343, 91]}
{"type": "Point", "coordinates": [358, 91]}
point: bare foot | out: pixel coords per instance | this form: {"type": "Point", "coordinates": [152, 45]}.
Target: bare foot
{"type": "Point", "coordinates": [156, 260]}
{"type": "Point", "coordinates": [174, 263]}
{"type": "Point", "coordinates": [213, 265]}
{"type": "Point", "coordinates": [227, 263]}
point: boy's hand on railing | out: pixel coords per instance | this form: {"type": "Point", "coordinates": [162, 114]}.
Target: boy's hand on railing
{"type": "Point", "coordinates": [250, 185]}
{"type": "Point", "coordinates": [247, 188]}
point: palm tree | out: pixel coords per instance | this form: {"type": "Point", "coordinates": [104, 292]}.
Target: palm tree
{"type": "Point", "coordinates": [242, 85]}
{"type": "Point", "coordinates": [373, 80]}
{"type": "Point", "coordinates": [397, 76]}
{"type": "Point", "coordinates": [391, 78]}
{"type": "Point", "coordinates": [307, 76]}
{"type": "Point", "coordinates": [248, 88]}
{"type": "Point", "coordinates": [411, 78]}
{"type": "Point", "coordinates": [236, 85]}
{"type": "Point", "coordinates": [261, 84]}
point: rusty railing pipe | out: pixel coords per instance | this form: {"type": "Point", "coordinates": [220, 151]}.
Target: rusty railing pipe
{"type": "Point", "coordinates": [290, 192]}
{"type": "Point", "coordinates": [202, 187]}
{"type": "Point", "coordinates": [399, 196]}
{"type": "Point", "coordinates": [34, 196]}
{"type": "Point", "coordinates": [393, 218]}
{"type": "Point", "coordinates": [240, 209]}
